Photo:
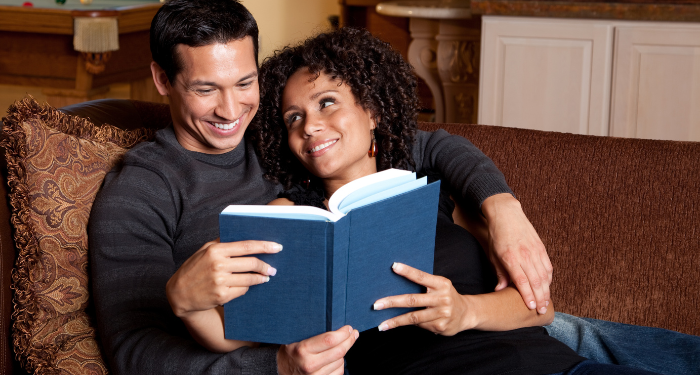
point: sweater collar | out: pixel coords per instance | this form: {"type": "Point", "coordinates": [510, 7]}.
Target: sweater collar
{"type": "Point", "coordinates": [228, 159]}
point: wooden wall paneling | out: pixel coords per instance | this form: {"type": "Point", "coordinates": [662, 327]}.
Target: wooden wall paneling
{"type": "Point", "coordinates": [656, 84]}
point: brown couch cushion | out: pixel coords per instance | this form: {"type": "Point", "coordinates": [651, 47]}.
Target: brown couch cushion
{"type": "Point", "coordinates": [56, 164]}
{"type": "Point", "coordinates": [619, 218]}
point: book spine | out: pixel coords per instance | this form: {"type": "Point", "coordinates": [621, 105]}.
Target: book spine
{"type": "Point", "coordinates": [337, 260]}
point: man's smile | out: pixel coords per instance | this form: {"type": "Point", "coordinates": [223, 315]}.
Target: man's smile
{"type": "Point", "coordinates": [226, 126]}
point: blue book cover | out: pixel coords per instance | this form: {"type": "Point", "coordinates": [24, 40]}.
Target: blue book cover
{"type": "Point", "coordinates": [330, 273]}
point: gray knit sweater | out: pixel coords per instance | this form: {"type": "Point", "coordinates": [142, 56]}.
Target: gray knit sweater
{"type": "Point", "coordinates": [162, 204]}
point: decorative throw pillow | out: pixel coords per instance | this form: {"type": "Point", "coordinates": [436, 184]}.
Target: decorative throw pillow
{"type": "Point", "coordinates": [55, 166]}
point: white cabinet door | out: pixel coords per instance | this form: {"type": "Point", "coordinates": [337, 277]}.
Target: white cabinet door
{"type": "Point", "coordinates": [656, 82]}
{"type": "Point", "coordinates": [546, 74]}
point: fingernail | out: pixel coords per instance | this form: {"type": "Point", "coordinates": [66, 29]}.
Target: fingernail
{"type": "Point", "coordinates": [396, 266]}
{"type": "Point", "coordinates": [378, 305]}
{"type": "Point", "coordinates": [543, 310]}
{"type": "Point", "coordinates": [356, 334]}
{"type": "Point", "coordinates": [267, 278]}
{"type": "Point", "coordinates": [350, 329]}
{"type": "Point", "coordinates": [533, 305]}
{"type": "Point", "coordinates": [546, 303]}
{"type": "Point", "coordinates": [272, 271]}
{"type": "Point", "coordinates": [276, 247]}
{"type": "Point", "coordinates": [383, 327]}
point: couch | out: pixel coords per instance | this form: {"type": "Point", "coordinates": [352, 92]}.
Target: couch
{"type": "Point", "coordinates": [620, 219]}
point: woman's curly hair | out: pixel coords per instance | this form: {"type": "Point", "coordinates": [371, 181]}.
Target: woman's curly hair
{"type": "Point", "coordinates": [379, 78]}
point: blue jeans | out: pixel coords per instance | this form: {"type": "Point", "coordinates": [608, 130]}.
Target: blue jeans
{"type": "Point", "coordinates": [652, 349]}
{"type": "Point", "coordinates": [591, 367]}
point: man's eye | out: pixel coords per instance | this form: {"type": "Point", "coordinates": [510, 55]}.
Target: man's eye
{"type": "Point", "coordinates": [245, 85]}
{"type": "Point", "coordinates": [326, 103]}
{"type": "Point", "coordinates": [204, 91]}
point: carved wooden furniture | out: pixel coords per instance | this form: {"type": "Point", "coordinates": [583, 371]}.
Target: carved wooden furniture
{"type": "Point", "coordinates": [445, 52]}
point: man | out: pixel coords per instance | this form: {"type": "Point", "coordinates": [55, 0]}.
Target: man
{"type": "Point", "coordinates": [157, 267]}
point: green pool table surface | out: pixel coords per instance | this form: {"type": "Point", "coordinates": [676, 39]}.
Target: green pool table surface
{"type": "Point", "coordinates": [77, 5]}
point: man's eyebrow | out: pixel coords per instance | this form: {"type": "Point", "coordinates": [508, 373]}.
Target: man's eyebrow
{"type": "Point", "coordinates": [248, 76]}
{"type": "Point", "coordinates": [198, 82]}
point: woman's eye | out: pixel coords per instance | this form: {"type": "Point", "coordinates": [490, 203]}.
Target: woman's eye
{"type": "Point", "coordinates": [326, 103]}
{"type": "Point", "coordinates": [292, 119]}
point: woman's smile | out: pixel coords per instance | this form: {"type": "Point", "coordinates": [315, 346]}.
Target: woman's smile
{"type": "Point", "coordinates": [320, 149]}
{"type": "Point", "coordinates": [328, 131]}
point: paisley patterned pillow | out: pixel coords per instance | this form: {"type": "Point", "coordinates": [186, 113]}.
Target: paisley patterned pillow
{"type": "Point", "coordinates": [55, 166]}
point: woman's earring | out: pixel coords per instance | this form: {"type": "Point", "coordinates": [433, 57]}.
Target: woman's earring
{"type": "Point", "coordinates": [372, 147]}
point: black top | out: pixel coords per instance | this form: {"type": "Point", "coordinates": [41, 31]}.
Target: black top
{"type": "Point", "coordinates": [413, 350]}
{"type": "Point", "coordinates": [161, 204]}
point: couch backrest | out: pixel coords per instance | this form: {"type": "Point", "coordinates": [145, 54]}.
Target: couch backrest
{"type": "Point", "coordinates": [619, 218]}
{"type": "Point", "coordinates": [7, 260]}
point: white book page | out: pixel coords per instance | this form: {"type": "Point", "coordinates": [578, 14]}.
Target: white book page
{"type": "Point", "coordinates": [283, 212]}
{"type": "Point", "coordinates": [366, 186]}
{"type": "Point", "coordinates": [415, 184]}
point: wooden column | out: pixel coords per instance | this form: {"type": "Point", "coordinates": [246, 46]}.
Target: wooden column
{"type": "Point", "coordinates": [458, 65]}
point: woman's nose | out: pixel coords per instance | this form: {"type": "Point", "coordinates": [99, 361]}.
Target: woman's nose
{"type": "Point", "coordinates": [313, 124]}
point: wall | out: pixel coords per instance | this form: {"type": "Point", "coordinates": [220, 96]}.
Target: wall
{"type": "Point", "coordinates": [283, 22]}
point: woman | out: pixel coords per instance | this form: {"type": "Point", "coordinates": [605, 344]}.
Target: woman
{"type": "Point", "coordinates": [342, 106]}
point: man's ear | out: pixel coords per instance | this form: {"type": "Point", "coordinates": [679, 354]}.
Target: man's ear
{"type": "Point", "coordinates": [160, 79]}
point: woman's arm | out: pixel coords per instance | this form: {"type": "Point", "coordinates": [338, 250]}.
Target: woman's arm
{"type": "Point", "coordinates": [207, 326]}
{"type": "Point", "coordinates": [447, 312]}
{"type": "Point", "coordinates": [477, 182]}
{"type": "Point", "coordinates": [131, 263]}
{"type": "Point", "coordinates": [502, 311]}
{"type": "Point", "coordinates": [215, 274]}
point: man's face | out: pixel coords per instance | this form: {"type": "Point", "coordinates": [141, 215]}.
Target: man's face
{"type": "Point", "coordinates": [215, 95]}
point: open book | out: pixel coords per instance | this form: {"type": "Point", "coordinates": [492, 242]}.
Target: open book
{"type": "Point", "coordinates": [335, 264]}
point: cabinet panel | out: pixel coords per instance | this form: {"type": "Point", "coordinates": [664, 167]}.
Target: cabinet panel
{"type": "Point", "coordinates": [656, 84]}
{"type": "Point", "coordinates": [546, 74]}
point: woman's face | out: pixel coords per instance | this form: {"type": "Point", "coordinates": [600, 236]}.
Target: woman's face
{"type": "Point", "coordinates": [328, 131]}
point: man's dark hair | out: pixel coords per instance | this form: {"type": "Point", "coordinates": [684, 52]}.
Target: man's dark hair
{"type": "Point", "coordinates": [198, 23]}
{"type": "Point", "coordinates": [378, 77]}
